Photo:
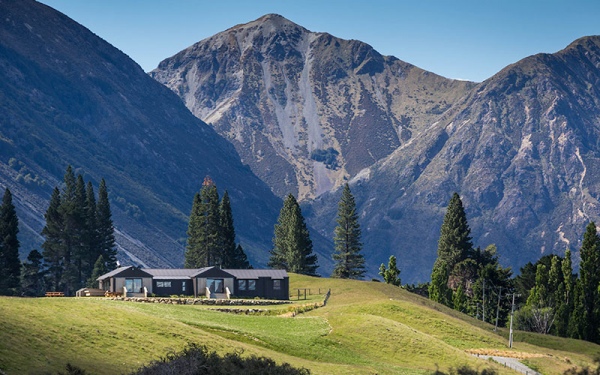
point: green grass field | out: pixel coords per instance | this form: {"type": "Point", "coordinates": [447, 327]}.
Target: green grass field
{"type": "Point", "coordinates": [366, 328]}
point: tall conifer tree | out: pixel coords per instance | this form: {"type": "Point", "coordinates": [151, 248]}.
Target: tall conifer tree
{"type": "Point", "coordinates": [10, 265]}
{"type": "Point", "coordinates": [105, 229]}
{"type": "Point", "coordinates": [589, 270]}
{"type": "Point", "coordinates": [193, 246]}
{"type": "Point", "coordinates": [53, 248]}
{"type": "Point", "coordinates": [292, 246]}
{"type": "Point", "coordinates": [90, 235]}
{"type": "Point", "coordinates": [80, 245]}
{"type": "Point", "coordinates": [454, 246]}
{"type": "Point", "coordinates": [350, 263]}
{"type": "Point", "coordinates": [204, 230]}
{"type": "Point", "coordinates": [227, 233]}
{"type": "Point", "coordinates": [71, 212]}
{"type": "Point", "coordinates": [32, 275]}
{"type": "Point", "coordinates": [564, 294]}
{"type": "Point", "coordinates": [240, 260]}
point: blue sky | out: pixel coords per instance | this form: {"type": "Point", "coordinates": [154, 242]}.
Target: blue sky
{"type": "Point", "coordinates": [457, 39]}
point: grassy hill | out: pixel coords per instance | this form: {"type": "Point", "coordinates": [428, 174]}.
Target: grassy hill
{"type": "Point", "coordinates": [365, 328]}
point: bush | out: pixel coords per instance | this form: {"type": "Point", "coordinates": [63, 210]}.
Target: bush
{"type": "Point", "coordinates": [197, 359]}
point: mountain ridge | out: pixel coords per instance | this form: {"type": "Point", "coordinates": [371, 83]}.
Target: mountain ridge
{"type": "Point", "coordinates": [68, 97]}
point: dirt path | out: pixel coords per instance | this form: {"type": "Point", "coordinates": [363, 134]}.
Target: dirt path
{"type": "Point", "coordinates": [512, 363]}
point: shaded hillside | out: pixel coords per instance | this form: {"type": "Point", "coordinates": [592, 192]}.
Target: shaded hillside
{"type": "Point", "coordinates": [305, 110]}
{"type": "Point", "coordinates": [68, 97]}
{"type": "Point", "coordinates": [522, 150]}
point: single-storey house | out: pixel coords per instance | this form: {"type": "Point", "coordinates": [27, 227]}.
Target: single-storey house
{"type": "Point", "coordinates": [212, 282]}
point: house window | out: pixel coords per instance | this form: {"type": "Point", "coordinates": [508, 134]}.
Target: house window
{"type": "Point", "coordinates": [251, 284]}
{"type": "Point", "coordinates": [242, 284]}
{"type": "Point", "coordinates": [215, 285]}
{"type": "Point", "coordinates": [163, 284]}
{"type": "Point", "coordinates": [133, 285]}
{"type": "Point", "coordinates": [276, 284]}
{"type": "Point", "coordinates": [183, 286]}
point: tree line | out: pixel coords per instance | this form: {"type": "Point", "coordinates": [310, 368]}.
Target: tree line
{"type": "Point", "coordinates": [79, 242]}
{"type": "Point", "coordinates": [211, 236]}
{"type": "Point", "coordinates": [293, 250]}
{"type": "Point", "coordinates": [550, 297]}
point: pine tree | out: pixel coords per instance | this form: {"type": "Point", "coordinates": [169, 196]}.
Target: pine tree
{"type": "Point", "coordinates": [391, 274]}
{"type": "Point", "coordinates": [90, 233]}
{"type": "Point", "coordinates": [32, 275]}
{"type": "Point", "coordinates": [204, 230]}
{"type": "Point", "coordinates": [53, 248]}
{"type": "Point", "coordinates": [589, 270]}
{"type": "Point", "coordinates": [564, 294]}
{"type": "Point", "coordinates": [80, 248]}
{"type": "Point", "coordinates": [292, 246]}
{"type": "Point", "coordinates": [71, 210]}
{"type": "Point", "coordinates": [10, 265]}
{"type": "Point", "coordinates": [227, 233]}
{"type": "Point", "coordinates": [193, 247]}
{"type": "Point", "coordinates": [105, 229]}
{"type": "Point", "coordinates": [350, 263]}
{"type": "Point", "coordinates": [577, 320]}
{"type": "Point", "coordinates": [240, 260]}
{"type": "Point", "coordinates": [454, 246]}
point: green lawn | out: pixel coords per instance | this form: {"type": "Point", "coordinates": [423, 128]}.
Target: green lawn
{"type": "Point", "coordinates": [365, 328]}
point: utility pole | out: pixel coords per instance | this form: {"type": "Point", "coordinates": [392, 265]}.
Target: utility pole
{"type": "Point", "coordinates": [498, 308]}
{"type": "Point", "coordinates": [512, 313]}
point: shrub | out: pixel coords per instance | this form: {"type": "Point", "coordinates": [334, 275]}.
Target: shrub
{"type": "Point", "coordinates": [197, 359]}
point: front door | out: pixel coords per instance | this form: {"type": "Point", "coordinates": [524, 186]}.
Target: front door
{"type": "Point", "coordinates": [133, 285]}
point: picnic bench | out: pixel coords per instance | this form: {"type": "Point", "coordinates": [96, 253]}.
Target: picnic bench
{"type": "Point", "coordinates": [55, 294]}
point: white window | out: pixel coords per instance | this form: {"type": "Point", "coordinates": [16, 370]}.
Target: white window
{"type": "Point", "coordinates": [183, 286]}
{"type": "Point", "coordinates": [242, 284]}
{"type": "Point", "coordinates": [163, 284]}
{"type": "Point", "coordinates": [276, 284]}
{"type": "Point", "coordinates": [251, 284]}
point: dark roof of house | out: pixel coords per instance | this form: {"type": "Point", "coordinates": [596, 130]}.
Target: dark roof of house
{"type": "Point", "coordinates": [113, 272]}
{"type": "Point", "coordinates": [126, 271]}
{"type": "Point", "coordinates": [172, 274]}
{"type": "Point", "coordinates": [255, 274]}
{"type": "Point", "coordinates": [189, 273]}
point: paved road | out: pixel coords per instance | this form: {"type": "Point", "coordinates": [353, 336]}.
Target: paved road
{"type": "Point", "coordinates": [512, 363]}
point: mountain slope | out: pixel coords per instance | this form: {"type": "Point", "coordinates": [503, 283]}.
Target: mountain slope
{"type": "Point", "coordinates": [305, 110]}
{"type": "Point", "coordinates": [523, 151]}
{"type": "Point", "coordinates": [68, 97]}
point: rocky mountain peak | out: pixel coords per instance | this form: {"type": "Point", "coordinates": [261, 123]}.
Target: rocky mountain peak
{"type": "Point", "coordinates": [306, 111]}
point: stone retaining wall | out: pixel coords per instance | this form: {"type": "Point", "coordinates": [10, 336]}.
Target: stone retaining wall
{"type": "Point", "coordinates": [203, 301]}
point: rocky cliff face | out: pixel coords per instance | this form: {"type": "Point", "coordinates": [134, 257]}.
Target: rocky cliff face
{"type": "Point", "coordinates": [306, 111]}
{"type": "Point", "coordinates": [68, 97]}
{"type": "Point", "coordinates": [523, 151]}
